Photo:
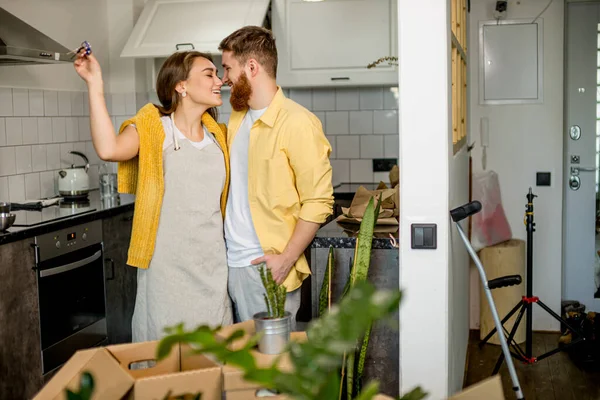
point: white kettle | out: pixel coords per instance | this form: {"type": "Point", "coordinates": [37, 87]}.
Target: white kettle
{"type": "Point", "coordinates": [74, 181]}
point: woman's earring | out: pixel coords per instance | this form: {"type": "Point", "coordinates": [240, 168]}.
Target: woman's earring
{"type": "Point", "coordinates": [183, 94]}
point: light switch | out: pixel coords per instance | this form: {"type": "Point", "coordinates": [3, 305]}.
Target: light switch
{"type": "Point", "coordinates": [423, 236]}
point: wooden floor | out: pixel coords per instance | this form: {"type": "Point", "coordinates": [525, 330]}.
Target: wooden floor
{"type": "Point", "coordinates": [553, 378]}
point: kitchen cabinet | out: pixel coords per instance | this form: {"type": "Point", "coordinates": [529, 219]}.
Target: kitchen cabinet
{"type": "Point", "coordinates": [330, 43]}
{"type": "Point", "coordinates": [121, 283]}
{"type": "Point", "coordinates": [20, 347]}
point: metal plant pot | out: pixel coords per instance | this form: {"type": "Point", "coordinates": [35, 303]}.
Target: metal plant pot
{"type": "Point", "coordinates": [275, 332]}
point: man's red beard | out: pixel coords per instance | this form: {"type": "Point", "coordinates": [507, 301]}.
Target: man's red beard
{"type": "Point", "coordinates": [240, 93]}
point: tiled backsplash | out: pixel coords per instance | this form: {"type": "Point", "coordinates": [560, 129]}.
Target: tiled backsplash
{"type": "Point", "coordinates": [39, 128]}
{"type": "Point", "coordinates": [360, 123]}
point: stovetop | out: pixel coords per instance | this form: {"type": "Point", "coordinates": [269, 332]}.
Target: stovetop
{"type": "Point", "coordinates": [65, 209]}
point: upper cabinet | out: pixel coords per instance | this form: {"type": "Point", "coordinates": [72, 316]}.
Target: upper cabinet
{"type": "Point", "coordinates": [166, 26]}
{"type": "Point", "coordinates": [330, 43]}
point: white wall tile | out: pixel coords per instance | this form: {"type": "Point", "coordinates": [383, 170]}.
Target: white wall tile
{"type": "Point", "coordinates": [32, 186]}
{"type": "Point", "coordinates": [94, 177]}
{"type": "Point", "coordinates": [66, 159]}
{"type": "Point", "coordinates": [321, 116]}
{"type": "Point", "coordinates": [72, 129]}
{"type": "Point", "coordinates": [346, 99]}
{"type": "Point", "coordinates": [385, 122]}
{"type": "Point", "coordinates": [44, 130]}
{"type": "Point", "coordinates": [6, 102]}
{"type": "Point", "coordinates": [332, 143]}
{"type": "Point", "coordinates": [225, 96]}
{"type": "Point", "coordinates": [90, 152]}
{"type": "Point", "coordinates": [382, 177]}
{"type": "Point", "coordinates": [8, 165]}
{"type": "Point", "coordinates": [390, 98]}
{"type": "Point", "coordinates": [130, 104]}
{"type": "Point", "coordinates": [119, 121]}
{"type": "Point", "coordinates": [361, 122]}
{"type": "Point", "coordinates": [59, 130]}
{"type": "Point", "coordinates": [4, 196]}
{"type": "Point", "coordinates": [77, 103]}
{"type": "Point", "coordinates": [141, 99]}
{"type": "Point", "coordinates": [80, 147]}
{"type": "Point", "coordinates": [86, 104]}
{"type": "Point", "coordinates": [50, 103]}
{"type": "Point", "coordinates": [38, 157]}
{"type": "Point", "coordinates": [223, 118]}
{"type": "Point", "coordinates": [371, 146]}
{"type": "Point", "coordinates": [23, 159]}
{"type": "Point", "coordinates": [337, 123]}
{"type": "Point", "coordinates": [302, 97]}
{"type": "Point", "coordinates": [14, 131]}
{"type": "Point", "coordinates": [340, 171]}
{"type": "Point", "coordinates": [2, 132]}
{"type": "Point", "coordinates": [53, 156]}
{"type": "Point", "coordinates": [20, 102]}
{"type": "Point", "coordinates": [361, 171]}
{"type": "Point", "coordinates": [118, 104]}
{"type": "Point", "coordinates": [371, 98]}
{"type": "Point", "coordinates": [30, 130]}
{"type": "Point", "coordinates": [36, 103]}
{"type": "Point", "coordinates": [323, 100]}
{"type": "Point", "coordinates": [16, 188]}
{"type": "Point", "coordinates": [64, 103]}
{"type": "Point", "coordinates": [391, 145]}
{"type": "Point", "coordinates": [84, 128]}
{"type": "Point", "coordinates": [348, 146]}
{"type": "Point", "coordinates": [48, 184]}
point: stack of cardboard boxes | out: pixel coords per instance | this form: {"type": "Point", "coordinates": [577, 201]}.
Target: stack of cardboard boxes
{"type": "Point", "coordinates": [117, 374]}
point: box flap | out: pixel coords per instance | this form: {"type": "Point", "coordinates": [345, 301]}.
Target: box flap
{"type": "Point", "coordinates": [131, 353]}
{"type": "Point", "coordinates": [110, 380]}
{"type": "Point", "coordinates": [206, 381]}
{"type": "Point", "coordinates": [489, 389]}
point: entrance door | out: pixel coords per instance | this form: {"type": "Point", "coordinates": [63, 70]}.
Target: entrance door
{"type": "Point", "coordinates": [581, 266]}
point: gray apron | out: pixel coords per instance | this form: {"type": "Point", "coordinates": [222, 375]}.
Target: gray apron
{"type": "Point", "coordinates": [187, 277]}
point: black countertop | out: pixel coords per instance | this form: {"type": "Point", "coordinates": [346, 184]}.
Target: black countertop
{"type": "Point", "coordinates": [56, 217]}
{"type": "Point", "coordinates": [344, 236]}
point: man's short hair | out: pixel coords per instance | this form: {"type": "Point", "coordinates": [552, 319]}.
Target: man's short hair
{"type": "Point", "coordinates": [253, 42]}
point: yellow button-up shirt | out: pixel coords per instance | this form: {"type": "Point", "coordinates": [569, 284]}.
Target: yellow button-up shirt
{"type": "Point", "coordinates": [289, 175]}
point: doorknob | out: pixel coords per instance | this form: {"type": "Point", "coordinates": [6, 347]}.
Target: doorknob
{"type": "Point", "coordinates": [576, 170]}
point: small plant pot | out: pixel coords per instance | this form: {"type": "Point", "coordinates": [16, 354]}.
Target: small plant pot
{"type": "Point", "coordinates": [275, 332]}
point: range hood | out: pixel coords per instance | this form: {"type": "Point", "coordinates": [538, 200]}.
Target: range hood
{"type": "Point", "coordinates": [21, 44]}
{"type": "Point", "coordinates": [166, 26]}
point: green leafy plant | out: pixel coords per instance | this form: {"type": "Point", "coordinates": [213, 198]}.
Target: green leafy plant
{"type": "Point", "coordinates": [316, 362]}
{"type": "Point", "coordinates": [274, 294]}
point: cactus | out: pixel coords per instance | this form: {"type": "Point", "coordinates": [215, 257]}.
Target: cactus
{"type": "Point", "coordinates": [275, 294]}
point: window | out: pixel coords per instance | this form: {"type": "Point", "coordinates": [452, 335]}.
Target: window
{"type": "Point", "coordinates": [459, 74]}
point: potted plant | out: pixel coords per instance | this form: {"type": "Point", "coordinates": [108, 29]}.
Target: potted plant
{"type": "Point", "coordinates": [273, 325]}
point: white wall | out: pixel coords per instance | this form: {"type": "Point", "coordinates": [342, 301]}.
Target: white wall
{"type": "Point", "coordinates": [525, 139]}
{"type": "Point", "coordinates": [425, 145]}
{"type": "Point", "coordinates": [69, 22]}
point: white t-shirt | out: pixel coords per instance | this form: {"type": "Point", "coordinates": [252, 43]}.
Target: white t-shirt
{"type": "Point", "coordinates": [242, 242]}
{"type": "Point", "coordinates": [168, 126]}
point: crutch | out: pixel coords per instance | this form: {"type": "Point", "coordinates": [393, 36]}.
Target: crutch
{"type": "Point", "coordinates": [458, 214]}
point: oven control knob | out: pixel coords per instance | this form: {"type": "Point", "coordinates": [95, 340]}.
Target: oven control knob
{"type": "Point", "coordinates": [84, 236]}
{"type": "Point", "coordinates": [58, 244]}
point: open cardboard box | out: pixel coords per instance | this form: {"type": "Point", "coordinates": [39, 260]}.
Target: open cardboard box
{"type": "Point", "coordinates": [488, 389]}
{"type": "Point", "coordinates": [180, 373]}
{"type": "Point", "coordinates": [234, 384]}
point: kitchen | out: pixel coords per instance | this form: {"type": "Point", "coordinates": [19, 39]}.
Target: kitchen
{"type": "Point", "coordinates": [44, 117]}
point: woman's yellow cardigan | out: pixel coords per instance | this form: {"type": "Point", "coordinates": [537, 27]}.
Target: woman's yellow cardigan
{"type": "Point", "coordinates": [143, 177]}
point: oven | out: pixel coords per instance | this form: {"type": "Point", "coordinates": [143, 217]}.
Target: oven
{"type": "Point", "coordinates": [71, 292]}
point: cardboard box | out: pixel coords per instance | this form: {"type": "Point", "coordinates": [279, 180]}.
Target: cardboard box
{"type": "Point", "coordinates": [180, 373]}
{"type": "Point", "coordinates": [488, 389]}
{"type": "Point", "coordinates": [234, 384]}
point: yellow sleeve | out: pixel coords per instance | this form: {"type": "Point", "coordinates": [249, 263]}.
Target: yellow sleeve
{"type": "Point", "coordinates": [308, 152]}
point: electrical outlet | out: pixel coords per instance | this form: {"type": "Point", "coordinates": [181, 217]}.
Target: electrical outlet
{"type": "Point", "coordinates": [384, 164]}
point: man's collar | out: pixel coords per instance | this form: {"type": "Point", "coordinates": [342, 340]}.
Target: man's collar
{"type": "Point", "coordinates": [270, 115]}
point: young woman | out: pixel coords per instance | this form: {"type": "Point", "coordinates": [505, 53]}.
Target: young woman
{"type": "Point", "coordinates": [174, 158]}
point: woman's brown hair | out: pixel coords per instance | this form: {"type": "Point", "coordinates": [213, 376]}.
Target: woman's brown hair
{"type": "Point", "coordinates": [174, 70]}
